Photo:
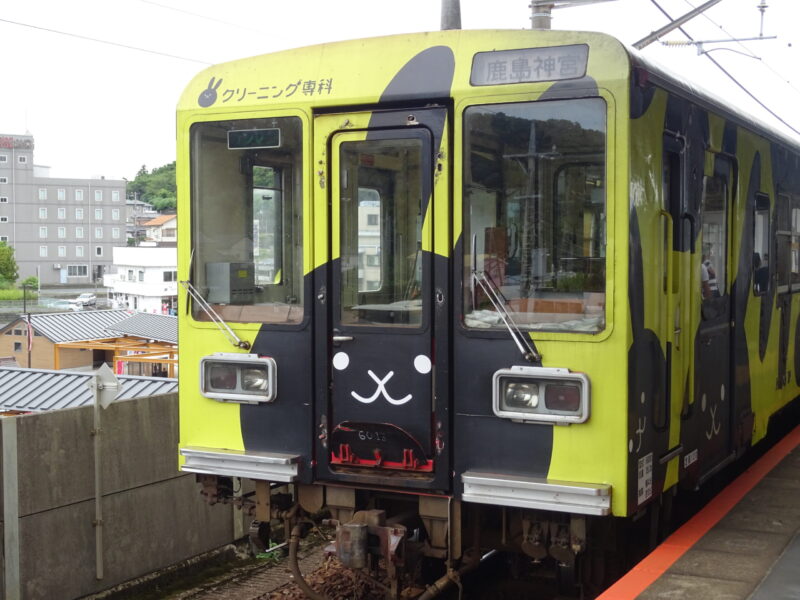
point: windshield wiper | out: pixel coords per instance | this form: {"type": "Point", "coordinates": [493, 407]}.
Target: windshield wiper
{"type": "Point", "coordinates": [218, 321]}
{"type": "Point", "coordinates": [524, 343]}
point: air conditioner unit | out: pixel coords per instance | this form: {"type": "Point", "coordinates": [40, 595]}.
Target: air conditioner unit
{"type": "Point", "coordinates": [56, 266]}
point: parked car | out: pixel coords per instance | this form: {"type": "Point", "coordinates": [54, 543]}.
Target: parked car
{"type": "Point", "coordinates": [87, 299]}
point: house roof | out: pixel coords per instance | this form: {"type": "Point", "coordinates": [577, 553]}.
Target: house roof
{"type": "Point", "coordinates": [159, 220]}
{"type": "Point", "coordinates": [162, 328]}
{"type": "Point", "coordinates": [42, 390]}
{"type": "Point", "coordinates": [75, 326]}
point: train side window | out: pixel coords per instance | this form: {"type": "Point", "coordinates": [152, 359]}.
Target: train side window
{"type": "Point", "coordinates": [715, 237]}
{"type": "Point", "coordinates": [761, 240]}
{"type": "Point", "coordinates": [783, 242]}
{"type": "Point", "coordinates": [795, 244]}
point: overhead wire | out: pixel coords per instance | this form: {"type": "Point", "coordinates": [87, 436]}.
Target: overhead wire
{"type": "Point", "coordinates": [729, 74]}
{"type": "Point", "coordinates": [198, 15]}
{"type": "Point", "coordinates": [747, 49]}
{"type": "Point", "coordinates": [101, 41]}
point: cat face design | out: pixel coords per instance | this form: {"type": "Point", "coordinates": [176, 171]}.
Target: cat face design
{"type": "Point", "coordinates": [422, 364]}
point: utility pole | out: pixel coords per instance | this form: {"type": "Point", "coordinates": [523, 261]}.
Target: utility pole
{"type": "Point", "coordinates": [541, 10]}
{"type": "Point", "coordinates": [451, 14]}
{"type": "Point", "coordinates": [541, 14]}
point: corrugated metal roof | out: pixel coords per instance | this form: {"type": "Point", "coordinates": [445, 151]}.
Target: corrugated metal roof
{"type": "Point", "coordinates": [77, 326]}
{"type": "Point", "coordinates": [43, 390]}
{"type": "Point", "coordinates": [162, 328]}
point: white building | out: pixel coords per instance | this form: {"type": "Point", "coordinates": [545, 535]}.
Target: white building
{"type": "Point", "coordinates": [146, 279]}
{"type": "Point", "coordinates": [162, 229]}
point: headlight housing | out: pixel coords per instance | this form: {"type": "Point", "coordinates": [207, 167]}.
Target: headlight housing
{"type": "Point", "coordinates": [541, 394]}
{"type": "Point", "coordinates": [247, 378]}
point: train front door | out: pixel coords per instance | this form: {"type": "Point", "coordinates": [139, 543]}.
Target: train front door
{"type": "Point", "coordinates": [385, 296]}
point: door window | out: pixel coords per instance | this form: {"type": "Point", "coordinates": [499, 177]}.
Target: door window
{"type": "Point", "coordinates": [380, 233]}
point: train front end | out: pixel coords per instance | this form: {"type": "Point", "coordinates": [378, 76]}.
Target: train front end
{"type": "Point", "coordinates": [404, 265]}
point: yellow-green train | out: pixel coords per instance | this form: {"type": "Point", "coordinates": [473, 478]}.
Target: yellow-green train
{"type": "Point", "coordinates": [476, 290]}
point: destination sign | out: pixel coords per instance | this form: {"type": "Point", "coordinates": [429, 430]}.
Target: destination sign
{"type": "Point", "coordinates": [529, 65]}
{"type": "Point", "coordinates": [240, 139]}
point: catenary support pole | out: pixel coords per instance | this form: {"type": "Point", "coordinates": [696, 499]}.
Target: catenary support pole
{"type": "Point", "coordinates": [451, 14]}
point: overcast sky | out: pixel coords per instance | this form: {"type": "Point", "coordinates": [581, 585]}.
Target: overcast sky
{"type": "Point", "coordinates": [100, 109]}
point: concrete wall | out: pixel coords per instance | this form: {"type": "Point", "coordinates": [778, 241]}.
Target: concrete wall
{"type": "Point", "coordinates": [152, 514]}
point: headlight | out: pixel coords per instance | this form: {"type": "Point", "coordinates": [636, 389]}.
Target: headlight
{"type": "Point", "coordinates": [541, 394]}
{"type": "Point", "coordinates": [238, 378]}
{"type": "Point", "coordinates": [519, 395]}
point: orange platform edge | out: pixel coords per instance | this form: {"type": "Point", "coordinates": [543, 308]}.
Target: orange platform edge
{"type": "Point", "coordinates": [659, 560]}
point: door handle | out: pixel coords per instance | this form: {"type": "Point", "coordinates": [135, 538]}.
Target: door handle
{"type": "Point", "coordinates": [338, 339]}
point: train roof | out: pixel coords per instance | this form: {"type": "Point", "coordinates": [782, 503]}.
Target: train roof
{"type": "Point", "coordinates": [358, 72]}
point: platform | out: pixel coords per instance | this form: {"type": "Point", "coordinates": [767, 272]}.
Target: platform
{"type": "Point", "coordinates": [744, 545]}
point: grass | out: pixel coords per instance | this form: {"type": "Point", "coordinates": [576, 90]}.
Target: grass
{"type": "Point", "coordinates": [16, 294]}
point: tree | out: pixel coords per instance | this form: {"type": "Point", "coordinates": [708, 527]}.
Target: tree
{"type": "Point", "coordinates": [9, 271]}
{"type": "Point", "coordinates": [157, 187]}
{"type": "Point", "coordinates": [31, 282]}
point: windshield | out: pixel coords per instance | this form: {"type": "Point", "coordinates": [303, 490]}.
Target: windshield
{"type": "Point", "coordinates": [535, 213]}
{"type": "Point", "coordinates": [247, 259]}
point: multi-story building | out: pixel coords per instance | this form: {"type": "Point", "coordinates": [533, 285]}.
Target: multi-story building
{"type": "Point", "coordinates": [146, 279]}
{"type": "Point", "coordinates": [62, 230]}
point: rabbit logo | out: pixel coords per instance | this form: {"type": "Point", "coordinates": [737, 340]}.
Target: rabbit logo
{"type": "Point", "coordinates": [421, 363]}
{"type": "Point", "coordinates": [209, 95]}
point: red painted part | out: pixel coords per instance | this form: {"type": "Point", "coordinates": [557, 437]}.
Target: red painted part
{"type": "Point", "coordinates": [655, 564]}
{"type": "Point", "coordinates": [409, 463]}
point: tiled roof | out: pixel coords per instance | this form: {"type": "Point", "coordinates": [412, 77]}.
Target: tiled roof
{"type": "Point", "coordinates": [77, 326]}
{"type": "Point", "coordinates": [159, 220]}
{"type": "Point", "coordinates": [42, 390]}
{"type": "Point", "coordinates": [162, 328]}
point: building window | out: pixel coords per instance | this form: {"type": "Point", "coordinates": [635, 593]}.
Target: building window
{"type": "Point", "coordinates": [79, 251]}
{"type": "Point", "coordinates": [115, 214]}
{"type": "Point", "coordinates": [62, 194]}
{"type": "Point", "coordinates": [170, 276]}
{"type": "Point", "coordinates": [115, 233]}
{"type": "Point", "coordinates": [42, 193]}
{"type": "Point", "coordinates": [3, 199]}
{"type": "Point", "coordinates": [4, 238]}
{"type": "Point", "coordinates": [78, 195]}
{"type": "Point", "coordinates": [3, 158]}
{"type": "Point", "coordinates": [42, 212]}
{"type": "Point", "coordinates": [130, 275]}
{"type": "Point", "coordinates": [62, 251]}
{"type": "Point", "coordinates": [17, 346]}
{"type": "Point", "coordinates": [141, 275]}
{"type": "Point", "coordinates": [62, 212]}
{"type": "Point", "coordinates": [98, 251]}
{"type": "Point", "coordinates": [62, 232]}
{"type": "Point", "coordinates": [169, 233]}
{"type": "Point", "coordinates": [115, 195]}
{"type": "Point", "coordinates": [22, 159]}
{"type": "Point", "coordinates": [79, 214]}
{"type": "Point", "coordinates": [98, 195]}
{"type": "Point", "coordinates": [79, 233]}
{"type": "Point", "coordinates": [3, 219]}
{"type": "Point", "coordinates": [77, 270]}
{"type": "Point", "coordinates": [98, 233]}
{"type": "Point", "coordinates": [42, 232]}
{"type": "Point", "coordinates": [98, 214]}
{"type": "Point", "coordinates": [43, 251]}
{"type": "Point", "coordinates": [3, 179]}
